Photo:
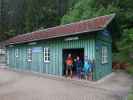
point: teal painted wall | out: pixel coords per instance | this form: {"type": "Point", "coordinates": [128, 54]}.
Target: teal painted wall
{"type": "Point", "coordinates": [103, 39]}
{"type": "Point", "coordinates": [55, 66]}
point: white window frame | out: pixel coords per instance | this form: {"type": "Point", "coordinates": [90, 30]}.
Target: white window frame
{"type": "Point", "coordinates": [104, 54]}
{"type": "Point", "coordinates": [29, 54]}
{"type": "Point", "coordinates": [16, 53]}
{"type": "Point", "coordinates": [46, 53]}
{"type": "Point", "coordinates": [2, 51]}
{"type": "Point", "coordinates": [7, 57]}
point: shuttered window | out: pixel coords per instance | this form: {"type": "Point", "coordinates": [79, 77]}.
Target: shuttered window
{"type": "Point", "coordinates": [104, 54]}
{"type": "Point", "coordinates": [46, 55]}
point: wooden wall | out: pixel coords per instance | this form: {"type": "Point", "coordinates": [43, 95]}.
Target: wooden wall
{"type": "Point", "coordinates": [55, 66]}
{"type": "Point", "coordinates": [92, 49]}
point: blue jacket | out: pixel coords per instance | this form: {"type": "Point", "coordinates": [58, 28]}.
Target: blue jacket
{"type": "Point", "coordinates": [87, 66]}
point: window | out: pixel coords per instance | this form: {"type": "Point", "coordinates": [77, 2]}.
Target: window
{"type": "Point", "coordinates": [7, 56]}
{"type": "Point", "coordinates": [16, 53]}
{"type": "Point", "coordinates": [46, 55]}
{"type": "Point", "coordinates": [2, 51]}
{"type": "Point", "coordinates": [104, 55]}
{"type": "Point", "coordinates": [29, 54]}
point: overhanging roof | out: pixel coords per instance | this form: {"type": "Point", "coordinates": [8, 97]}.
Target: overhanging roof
{"type": "Point", "coordinates": [90, 25]}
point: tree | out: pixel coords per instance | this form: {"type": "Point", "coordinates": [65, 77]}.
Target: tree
{"type": "Point", "coordinates": [41, 14]}
{"type": "Point", "coordinates": [87, 9]}
{"type": "Point", "coordinates": [3, 22]}
{"type": "Point", "coordinates": [16, 16]}
{"type": "Point", "coordinates": [127, 40]}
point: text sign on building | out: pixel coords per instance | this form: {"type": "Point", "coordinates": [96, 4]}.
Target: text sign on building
{"type": "Point", "coordinates": [37, 50]}
{"type": "Point", "coordinates": [71, 38]}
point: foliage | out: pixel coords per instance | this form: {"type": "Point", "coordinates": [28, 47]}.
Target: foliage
{"type": "Point", "coordinates": [40, 14]}
{"type": "Point", "coordinates": [127, 39]}
{"type": "Point", "coordinates": [86, 9]}
{"type": "Point", "coordinates": [22, 16]}
{"type": "Point", "coordinates": [130, 96]}
{"type": "Point", "coordinates": [130, 70]}
{"type": "Point", "coordinates": [125, 47]}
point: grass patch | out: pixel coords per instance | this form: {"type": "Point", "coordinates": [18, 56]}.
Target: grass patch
{"type": "Point", "coordinates": [130, 96]}
{"type": "Point", "coordinates": [130, 70]}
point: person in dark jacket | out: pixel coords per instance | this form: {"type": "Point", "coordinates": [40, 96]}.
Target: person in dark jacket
{"type": "Point", "coordinates": [78, 66]}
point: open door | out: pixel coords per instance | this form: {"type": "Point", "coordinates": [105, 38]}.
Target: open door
{"type": "Point", "coordinates": [74, 52]}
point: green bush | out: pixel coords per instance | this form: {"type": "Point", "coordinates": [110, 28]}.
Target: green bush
{"type": "Point", "coordinates": [130, 96]}
{"type": "Point", "coordinates": [130, 70]}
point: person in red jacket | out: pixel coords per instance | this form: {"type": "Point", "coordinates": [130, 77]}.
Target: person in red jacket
{"type": "Point", "coordinates": [69, 65]}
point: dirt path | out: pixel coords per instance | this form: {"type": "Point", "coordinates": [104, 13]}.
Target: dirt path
{"type": "Point", "coordinates": [21, 86]}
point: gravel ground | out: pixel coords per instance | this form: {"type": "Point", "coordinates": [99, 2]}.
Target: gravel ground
{"type": "Point", "coordinates": [25, 86]}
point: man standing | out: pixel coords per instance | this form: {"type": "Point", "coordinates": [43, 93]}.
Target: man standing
{"type": "Point", "coordinates": [69, 65]}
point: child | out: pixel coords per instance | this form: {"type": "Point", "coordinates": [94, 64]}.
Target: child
{"type": "Point", "coordinates": [86, 68]}
{"type": "Point", "coordinates": [78, 67]}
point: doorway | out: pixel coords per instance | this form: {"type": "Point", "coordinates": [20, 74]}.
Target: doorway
{"type": "Point", "coordinates": [74, 52]}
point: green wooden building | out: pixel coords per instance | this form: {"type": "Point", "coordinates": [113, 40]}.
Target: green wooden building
{"type": "Point", "coordinates": [45, 51]}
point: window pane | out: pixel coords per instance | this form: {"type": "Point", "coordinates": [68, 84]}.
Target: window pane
{"type": "Point", "coordinates": [29, 54]}
{"type": "Point", "coordinates": [46, 54]}
{"type": "Point", "coordinates": [104, 54]}
{"type": "Point", "coordinates": [48, 58]}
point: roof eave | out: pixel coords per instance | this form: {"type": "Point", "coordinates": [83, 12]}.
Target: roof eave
{"type": "Point", "coordinates": [53, 37]}
{"type": "Point", "coordinates": [109, 21]}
